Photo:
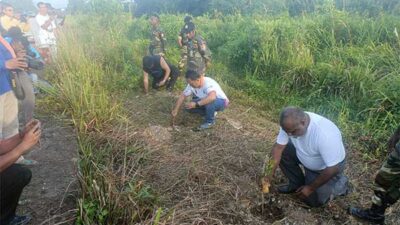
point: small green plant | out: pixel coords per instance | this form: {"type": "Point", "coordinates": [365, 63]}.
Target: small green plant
{"type": "Point", "coordinates": [93, 213]}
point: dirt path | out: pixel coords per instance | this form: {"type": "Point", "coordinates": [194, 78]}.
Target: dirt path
{"type": "Point", "coordinates": [211, 177]}
{"type": "Point", "coordinates": [50, 196]}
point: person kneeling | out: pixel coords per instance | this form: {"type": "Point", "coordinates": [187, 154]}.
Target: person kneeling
{"type": "Point", "coordinates": [312, 141]}
{"type": "Point", "coordinates": [208, 98]}
{"type": "Point", "coordinates": [162, 72]}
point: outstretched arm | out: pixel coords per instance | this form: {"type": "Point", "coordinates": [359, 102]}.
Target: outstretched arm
{"type": "Point", "coordinates": [178, 105]}
{"type": "Point", "coordinates": [277, 151]}
{"type": "Point", "coordinates": [167, 70]}
{"type": "Point", "coordinates": [146, 82]}
{"type": "Point", "coordinates": [180, 41]}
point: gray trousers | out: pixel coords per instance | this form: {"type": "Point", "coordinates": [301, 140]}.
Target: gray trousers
{"type": "Point", "coordinates": [28, 103]}
{"type": "Point", "coordinates": [290, 165]}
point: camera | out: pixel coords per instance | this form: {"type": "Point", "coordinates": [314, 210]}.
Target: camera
{"type": "Point", "coordinates": [32, 60]}
{"type": "Point", "coordinates": [34, 63]}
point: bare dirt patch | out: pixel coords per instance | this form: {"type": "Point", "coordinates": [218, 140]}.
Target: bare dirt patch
{"type": "Point", "coordinates": [50, 196]}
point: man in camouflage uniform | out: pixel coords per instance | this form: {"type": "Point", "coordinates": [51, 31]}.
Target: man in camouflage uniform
{"type": "Point", "coordinates": [158, 40]}
{"type": "Point", "coordinates": [182, 42]}
{"type": "Point", "coordinates": [387, 185]}
{"type": "Point", "coordinates": [198, 55]}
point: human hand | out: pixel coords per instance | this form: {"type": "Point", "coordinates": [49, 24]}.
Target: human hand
{"type": "Point", "coordinates": [19, 49]}
{"type": "Point", "coordinates": [30, 125]}
{"type": "Point", "coordinates": [161, 83]}
{"type": "Point", "coordinates": [31, 137]}
{"type": "Point", "coordinates": [16, 63]}
{"type": "Point", "coordinates": [174, 113]}
{"type": "Point", "coordinates": [266, 184]}
{"type": "Point", "coordinates": [304, 191]}
{"type": "Point", "coordinates": [190, 105]}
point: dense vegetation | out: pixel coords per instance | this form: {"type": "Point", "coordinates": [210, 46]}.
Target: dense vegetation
{"type": "Point", "coordinates": [342, 65]}
{"type": "Point", "coordinates": [263, 7]}
{"type": "Point", "coordinates": [244, 7]}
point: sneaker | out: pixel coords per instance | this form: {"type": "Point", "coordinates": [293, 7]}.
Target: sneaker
{"type": "Point", "coordinates": [286, 189]}
{"type": "Point", "coordinates": [203, 126]}
{"type": "Point", "coordinates": [27, 162]}
{"type": "Point", "coordinates": [20, 220]}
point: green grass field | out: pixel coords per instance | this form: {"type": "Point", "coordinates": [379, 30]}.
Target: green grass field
{"type": "Point", "coordinates": [344, 66]}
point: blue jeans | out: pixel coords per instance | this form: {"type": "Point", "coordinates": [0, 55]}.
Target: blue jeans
{"type": "Point", "coordinates": [208, 110]}
{"type": "Point", "coordinates": [290, 166]}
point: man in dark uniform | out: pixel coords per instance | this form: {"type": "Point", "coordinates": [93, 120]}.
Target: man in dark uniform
{"type": "Point", "coordinates": [162, 73]}
{"type": "Point", "coordinates": [387, 185]}
{"type": "Point", "coordinates": [198, 54]}
{"type": "Point", "coordinates": [182, 42]}
{"type": "Point", "coordinates": [158, 40]}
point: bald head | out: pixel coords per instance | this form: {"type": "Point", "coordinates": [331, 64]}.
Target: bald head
{"type": "Point", "coordinates": [294, 121]}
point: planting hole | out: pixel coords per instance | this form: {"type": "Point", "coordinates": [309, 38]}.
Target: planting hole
{"type": "Point", "coordinates": [269, 212]}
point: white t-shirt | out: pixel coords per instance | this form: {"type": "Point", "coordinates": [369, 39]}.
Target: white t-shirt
{"type": "Point", "coordinates": [208, 86]}
{"type": "Point", "coordinates": [320, 147]}
{"type": "Point", "coordinates": [46, 37]}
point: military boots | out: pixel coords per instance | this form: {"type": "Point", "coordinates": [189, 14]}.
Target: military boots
{"type": "Point", "coordinates": [375, 214]}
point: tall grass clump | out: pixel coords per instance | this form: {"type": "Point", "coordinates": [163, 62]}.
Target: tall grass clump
{"type": "Point", "coordinates": [93, 70]}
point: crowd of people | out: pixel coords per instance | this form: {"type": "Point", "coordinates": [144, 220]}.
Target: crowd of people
{"type": "Point", "coordinates": [309, 148]}
{"type": "Point", "coordinates": [27, 44]}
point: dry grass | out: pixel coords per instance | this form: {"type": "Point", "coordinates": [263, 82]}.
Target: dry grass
{"type": "Point", "coordinates": [211, 177]}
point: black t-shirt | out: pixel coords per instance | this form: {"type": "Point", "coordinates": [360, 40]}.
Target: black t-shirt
{"type": "Point", "coordinates": [156, 71]}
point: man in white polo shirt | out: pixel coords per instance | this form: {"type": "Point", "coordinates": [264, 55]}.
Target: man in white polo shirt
{"type": "Point", "coordinates": [314, 142]}
{"type": "Point", "coordinates": [208, 98]}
